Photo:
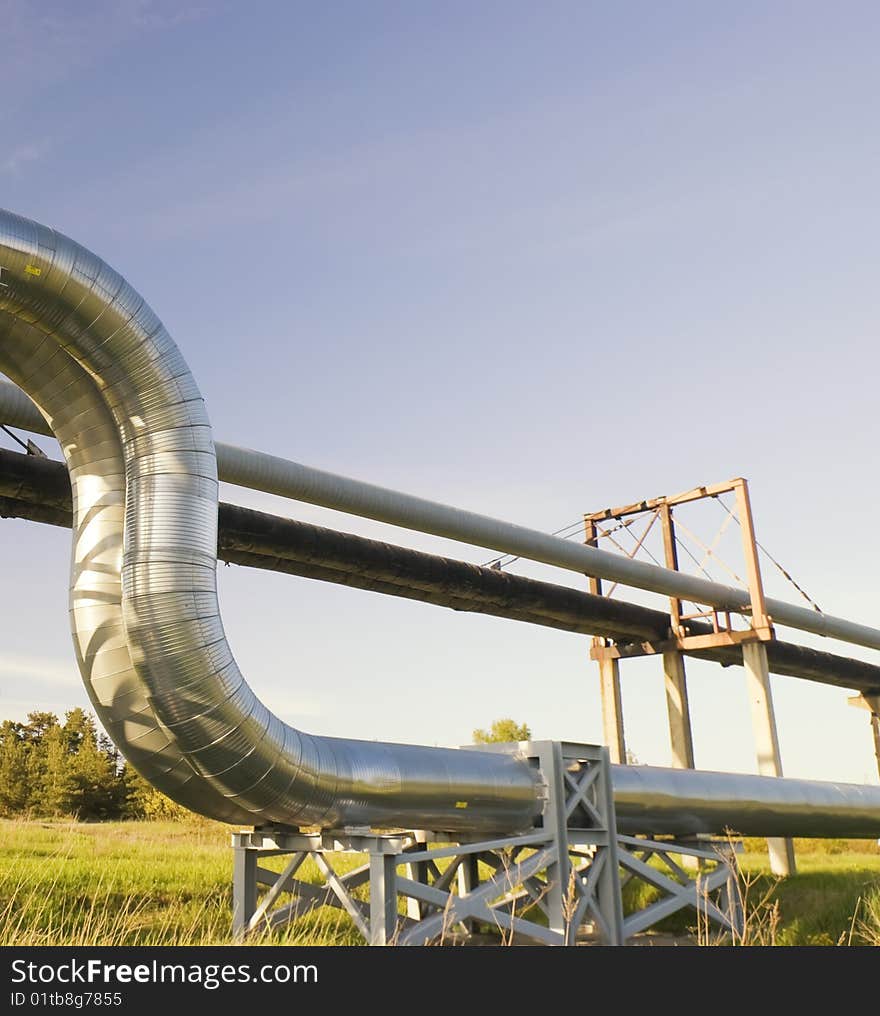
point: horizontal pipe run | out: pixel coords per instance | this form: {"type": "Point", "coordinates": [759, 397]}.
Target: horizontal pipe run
{"type": "Point", "coordinates": [273, 475]}
{"type": "Point", "coordinates": [647, 798]}
{"type": "Point", "coordinates": [687, 801]}
{"type": "Point", "coordinates": [144, 612]}
{"type": "Point", "coordinates": [39, 489]}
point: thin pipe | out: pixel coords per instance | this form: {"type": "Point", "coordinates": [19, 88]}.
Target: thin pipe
{"type": "Point", "coordinates": [145, 618]}
{"type": "Point", "coordinates": [137, 441]}
{"type": "Point", "coordinates": [37, 488]}
{"type": "Point", "coordinates": [271, 474]}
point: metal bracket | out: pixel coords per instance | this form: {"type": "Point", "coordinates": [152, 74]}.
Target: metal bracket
{"type": "Point", "coordinates": [690, 643]}
{"type": "Point", "coordinates": [866, 701]}
{"type": "Point", "coordinates": [723, 634]}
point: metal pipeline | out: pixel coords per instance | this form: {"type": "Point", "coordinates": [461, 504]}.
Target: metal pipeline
{"type": "Point", "coordinates": [88, 437]}
{"type": "Point", "coordinates": [144, 613]}
{"type": "Point", "coordinates": [686, 801]}
{"type": "Point", "coordinates": [150, 645]}
{"type": "Point", "coordinates": [270, 474]}
{"type": "Point", "coordinates": [37, 488]}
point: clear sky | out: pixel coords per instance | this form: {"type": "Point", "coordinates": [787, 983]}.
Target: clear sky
{"type": "Point", "coordinates": [529, 259]}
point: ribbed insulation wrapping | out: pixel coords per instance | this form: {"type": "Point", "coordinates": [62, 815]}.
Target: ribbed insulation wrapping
{"type": "Point", "coordinates": [146, 624]}
{"type": "Point", "coordinates": [116, 392]}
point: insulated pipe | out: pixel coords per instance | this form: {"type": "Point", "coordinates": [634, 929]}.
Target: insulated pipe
{"type": "Point", "coordinates": [273, 475]}
{"type": "Point", "coordinates": [96, 483]}
{"type": "Point", "coordinates": [155, 527]}
{"type": "Point", "coordinates": [17, 410]}
{"type": "Point", "coordinates": [683, 801]}
{"type": "Point", "coordinates": [36, 488]}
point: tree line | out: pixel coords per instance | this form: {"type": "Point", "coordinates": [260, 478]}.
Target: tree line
{"type": "Point", "coordinates": [70, 768]}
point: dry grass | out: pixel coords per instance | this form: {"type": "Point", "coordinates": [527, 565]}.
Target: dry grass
{"type": "Point", "coordinates": [133, 883]}
{"type": "Point", "coordinates": [834, 899]}
{"type": "Point", "coordinates": [866, 919]}
{"type": "Point", "coordinates": [146, 883]}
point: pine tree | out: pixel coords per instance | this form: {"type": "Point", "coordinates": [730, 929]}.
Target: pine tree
{"type": "Point", "coordinates": [36, 736]}
{"type": "Point", "coordinates": [55, 784]}
{"type": "Point", "coordinates": [143, 800]}
{"type": "Point", "coordinates": [14, 789]}
{"type": "Point", "coordinates": [93, 790]}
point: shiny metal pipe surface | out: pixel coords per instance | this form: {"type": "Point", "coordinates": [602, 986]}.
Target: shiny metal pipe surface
{"type": "Point", "coordinates": [36, 488]}
{"type": "Point", "coordinates": [17, 410]}
{"type": "Point", "coordinates": [117, 393]}
{"type": "Point", "coordinates": [146, 625]}
{"type": "Point", "coordinates": [254, 470]}
{"type": "Point", "coordinates": [97, 477]}
{"type": "Point", "coordinates": [683, 801]}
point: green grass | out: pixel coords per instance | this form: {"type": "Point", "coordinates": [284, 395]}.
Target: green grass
{"type": "Point", "coordinates": [834, 898]}
{"type": "Point", "coordinates": [150, 883]}
{"type": "Point", "coordinates": [134, 883]}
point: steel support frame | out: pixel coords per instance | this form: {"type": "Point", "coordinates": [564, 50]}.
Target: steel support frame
{"type": "Point", "coordinates": [557, 884]}
{"type": "Point", "coordinates": [723, 634]}
{"type": "Point", "coordinates": [753, 642]}
{"type": "Point", "coordinates": [713, 893]}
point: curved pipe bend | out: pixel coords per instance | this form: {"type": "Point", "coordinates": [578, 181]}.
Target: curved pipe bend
{"type": "Point", "coordinates": [143, 601]}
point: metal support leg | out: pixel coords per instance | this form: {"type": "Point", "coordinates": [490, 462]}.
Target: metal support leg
{"type": "Point", "coordinates": [612, 710]}
{"type": "Point", "coordinates": [383, 898]}
{"type": "Point", "coordinates": [468, 876]}
{"type": "Point", "coordinates": [782, 861]}
{"type": "Point", "coordinates": [609, 891]}
{"type": "Point", "coordinates": [549, 755]}
{"type": "Point", "coordinates": [418, 872]}
{"type": "Point", "coordinates": [244, 889]}
{"type": "Point", "coordinates": [557, 822]}
{"type": "Point", "coordinates": [678, 707]}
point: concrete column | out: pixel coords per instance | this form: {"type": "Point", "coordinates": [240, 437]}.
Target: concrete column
{"type": "Point", "coordinates": [678, 707]}
{"type": "Point", "coordinates": [781, 851]}
{"type": "Point", "coordinates": [875, 730]}
{"type": "Point", "coordinates": [612, 710]}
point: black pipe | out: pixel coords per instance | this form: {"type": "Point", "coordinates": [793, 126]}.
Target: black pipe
{"type": "Point", "coordinates": [36, 488]}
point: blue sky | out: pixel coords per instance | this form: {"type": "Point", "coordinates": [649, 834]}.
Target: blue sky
{"type": "Point", "coordinates": [530, 259]}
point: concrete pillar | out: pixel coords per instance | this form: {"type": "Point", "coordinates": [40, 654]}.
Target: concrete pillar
{"type": "Point", "coordinates": [781, 851]}
{"type": "Point", "coordinates": [612, 710]}
{"type": "Point", "coordinates": [680, 734]}
{"type": "Point", "coordinates": [875, 730]}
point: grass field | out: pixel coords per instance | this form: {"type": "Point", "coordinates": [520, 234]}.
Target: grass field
{"type": "Point", "coordinates": [151, 883]}
{"type": "Point", "coordinates": [834, 898]}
